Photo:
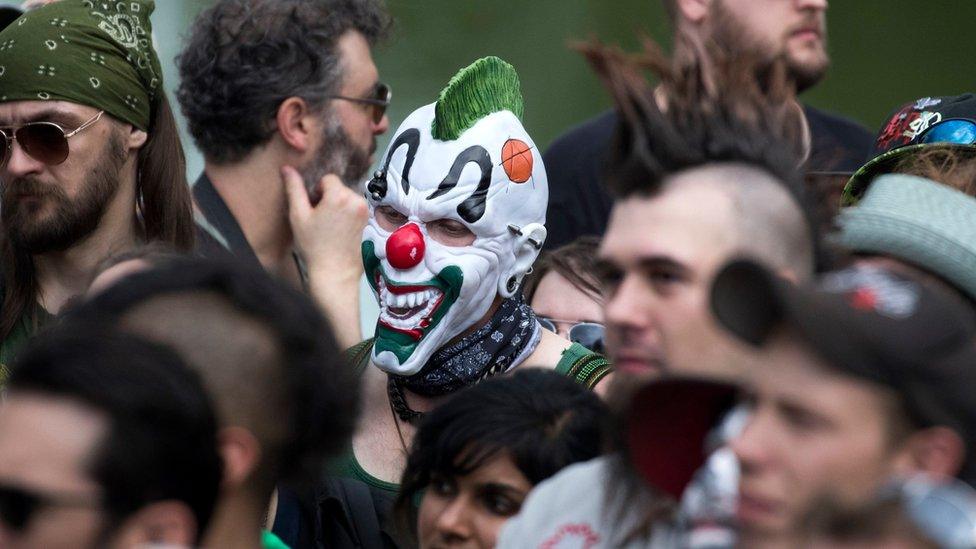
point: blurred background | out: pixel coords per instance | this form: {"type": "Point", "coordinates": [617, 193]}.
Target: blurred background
{"type": "Point", "coordinates": [884, 52]}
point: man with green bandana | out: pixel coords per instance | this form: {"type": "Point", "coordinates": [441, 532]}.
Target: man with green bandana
{"type": "Point", "coordinates": [91, 160]}
{"type": "Point", "coordinates": [457, 217]}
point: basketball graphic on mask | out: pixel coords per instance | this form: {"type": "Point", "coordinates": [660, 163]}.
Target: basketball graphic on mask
{"type": "Point", "coordinates": [517, 160]}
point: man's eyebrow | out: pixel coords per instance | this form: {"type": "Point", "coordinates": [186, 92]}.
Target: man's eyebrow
{"type": "Point", "coordinates": [660, 261]}
{"type": "Point", "coordinates": [64, 118]}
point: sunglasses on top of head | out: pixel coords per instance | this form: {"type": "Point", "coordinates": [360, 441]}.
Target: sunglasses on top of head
{"type": "Point", "coordinates": [957, 131]}
{"type": "Point", "coordinates": [378, 103]}
{"type": "Point", "coordinates": [587, 334]}
{"type": "Point", "coordinates": [46, 142]}
{"type": "Point", "coordinates": [18, 505]}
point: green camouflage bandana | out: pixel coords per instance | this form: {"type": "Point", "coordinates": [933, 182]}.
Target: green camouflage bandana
{"type": "Point", "coordinates": [92, 52]}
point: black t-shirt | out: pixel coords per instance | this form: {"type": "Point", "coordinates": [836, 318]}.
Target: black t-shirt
{"type": "Point", "coordinates": [580, 205]}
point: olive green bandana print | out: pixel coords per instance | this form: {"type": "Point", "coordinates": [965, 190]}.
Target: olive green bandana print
{"type": "Point", "coordinates": [92, 52]}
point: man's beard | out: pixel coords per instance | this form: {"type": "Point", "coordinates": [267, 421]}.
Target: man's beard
{"type": "Point", "coordinates": [337, 155]}
{"type": "Point", "coordinates": [72, 220]}
{"type": "Point", "coordinates": [731, 35]}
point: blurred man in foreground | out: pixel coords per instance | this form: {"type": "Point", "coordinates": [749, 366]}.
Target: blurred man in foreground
{"type": "Point", "coordinates": [107, 441]}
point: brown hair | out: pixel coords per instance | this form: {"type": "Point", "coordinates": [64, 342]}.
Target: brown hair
{"type": "Point", "coordinates": [576, 262]}
{"type": "Point", "coordinates": [164, 205]}
{"type": "Point", "coordinates": [162, 190]}
{"type": "Point", "coordinates": [952, 166]}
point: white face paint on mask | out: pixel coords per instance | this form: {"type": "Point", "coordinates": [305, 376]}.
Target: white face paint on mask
{"type": "Point", "coordinates": [490, 179]}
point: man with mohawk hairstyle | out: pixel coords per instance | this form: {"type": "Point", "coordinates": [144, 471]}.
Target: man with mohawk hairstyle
{"type": "Point", "coordinates": [711, 177]}
{"type": "Point", "coordinates": [456, 219]}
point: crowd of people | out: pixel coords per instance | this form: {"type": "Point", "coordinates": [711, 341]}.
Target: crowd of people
{"type": "Point", "coordinates": [710, 317]}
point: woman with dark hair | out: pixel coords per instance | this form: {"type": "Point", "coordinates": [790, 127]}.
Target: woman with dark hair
{"type": "Point", "coordinates": [475, 458]}
{"type": "Point", "coordinates": [564, 291]}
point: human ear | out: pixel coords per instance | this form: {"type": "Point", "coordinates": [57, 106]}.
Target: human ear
{"type": "Point", "coordinates": [296, 124]}
{"type": "Point", "coordinates": [137, 138]}
{"type": "Point", "coordinates": [527, 245]}
{"type": "Point", "coordinates": [938, 451]}
{"type": "Point", "coordinates": [240, 452]}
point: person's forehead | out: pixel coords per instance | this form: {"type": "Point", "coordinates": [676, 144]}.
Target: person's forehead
{"type": "Point", "coordinates": [500, 469]}
{"type": "Point", "coordinates": [359, 72]}
{"type": "Point", "coordinates": [15, 112]}
{"type": "Point", "coordinates": [688, 225]}
{"type": "Point", "coordinates": [46, 441]}
{"type": "Point", "coordinates": [787, 370]}
{"type": "Point", "coordinates": [555, 296]}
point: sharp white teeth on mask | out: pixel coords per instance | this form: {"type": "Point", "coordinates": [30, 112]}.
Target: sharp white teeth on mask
{"type": "Point", "coordinates": [467, 158]}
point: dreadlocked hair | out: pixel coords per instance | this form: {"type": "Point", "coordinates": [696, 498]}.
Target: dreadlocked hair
{"type": "Point", "coordinates": [717, 108]}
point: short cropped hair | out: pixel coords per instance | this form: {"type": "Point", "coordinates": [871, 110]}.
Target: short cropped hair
{"type": "Point", "coordinates": [160, 443]}
{"type": "Point", "coordinates": [264, 351]}
{"type": "Point", "coordinates": [243, 58]}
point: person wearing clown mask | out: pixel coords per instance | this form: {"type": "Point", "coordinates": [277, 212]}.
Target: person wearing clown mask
{"type": "Point", "coordinates": [457, 217]}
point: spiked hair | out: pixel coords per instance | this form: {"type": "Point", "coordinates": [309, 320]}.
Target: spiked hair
{"type": "Point", "coordinates": [484, 87]}
{"type": "Point", "coordinates": [718, 108]}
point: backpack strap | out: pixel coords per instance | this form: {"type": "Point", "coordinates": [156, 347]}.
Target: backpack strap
{"type": "Point", "coordinates": [359, 516]}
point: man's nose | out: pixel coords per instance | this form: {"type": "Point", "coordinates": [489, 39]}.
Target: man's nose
{"type": "Point", "coordinates": [626, 306]}
{"type": "Point", "coordinates": [19, 164]}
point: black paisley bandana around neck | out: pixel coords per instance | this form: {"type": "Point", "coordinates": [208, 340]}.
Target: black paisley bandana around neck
{"type": "Point", "coordinates": [506, 339]}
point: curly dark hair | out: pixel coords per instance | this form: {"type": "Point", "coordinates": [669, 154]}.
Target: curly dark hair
{"type": "Point", "coordinates": [244, 57]}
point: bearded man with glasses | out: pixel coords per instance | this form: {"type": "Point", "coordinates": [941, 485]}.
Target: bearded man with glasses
{"type": "Point", "coordinates": [284, 100]}
{"type": "Point", "coordinates": [90, 162]}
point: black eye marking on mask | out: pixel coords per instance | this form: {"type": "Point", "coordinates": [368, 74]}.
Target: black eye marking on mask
{"type": "Point", "coordinates": [473, 208]}
{"type": "Point", "coordinates": [377, 185]}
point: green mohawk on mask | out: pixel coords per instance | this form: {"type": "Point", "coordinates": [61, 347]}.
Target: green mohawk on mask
{"type": "Point", "coordinates": [484, 87]}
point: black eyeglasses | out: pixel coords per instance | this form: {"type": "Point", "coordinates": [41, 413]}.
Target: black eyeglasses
{"type": "Point", "coordinates": [18, 505]}
{"type": "Point", "coordinates": [587, 334]}
{"type": "Point", "coordinates": [45, 142]}
{"type": "Point", "coordinates": [382, 94]}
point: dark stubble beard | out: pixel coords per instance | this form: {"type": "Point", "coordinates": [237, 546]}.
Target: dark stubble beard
{"type": "Point", "coordinates": [339, 155]}
{"type": "Point", "coordinates": [72, 220]}
{"type": "Point", "coordinates": [730, 35]}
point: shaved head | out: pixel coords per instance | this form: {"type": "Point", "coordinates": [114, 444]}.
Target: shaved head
{"type": "Point", "coordinates": [236, 355]}
{"type": "Point", "coordinates": [766, 221]}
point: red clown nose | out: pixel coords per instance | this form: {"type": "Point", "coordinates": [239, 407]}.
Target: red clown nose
{"type": "Point", "coordinates": [405, 247]}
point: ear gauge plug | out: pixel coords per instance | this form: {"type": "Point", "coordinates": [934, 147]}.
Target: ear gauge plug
{"type": "Point", "coordinates": [512, 284]}
{"type": "Point", "coordinates": [517, 231]}
{"type": "Point", "coordinates": [377, 186]}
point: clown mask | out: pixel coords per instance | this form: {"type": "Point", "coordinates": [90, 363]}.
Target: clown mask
{"type": "Point", "coordinates": [456, 216]}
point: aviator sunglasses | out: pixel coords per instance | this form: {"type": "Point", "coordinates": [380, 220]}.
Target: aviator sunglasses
{"type": "Point", "coordinates": [958, 131]}
{"type": "Point", "coordinates": [45, 142]}
{"type": "Point", "coordinates": [587, 334]}
{"type": "Point", "coordinates": [18, 505]}
{"type": "Point", "coordinates": [382, 94]}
